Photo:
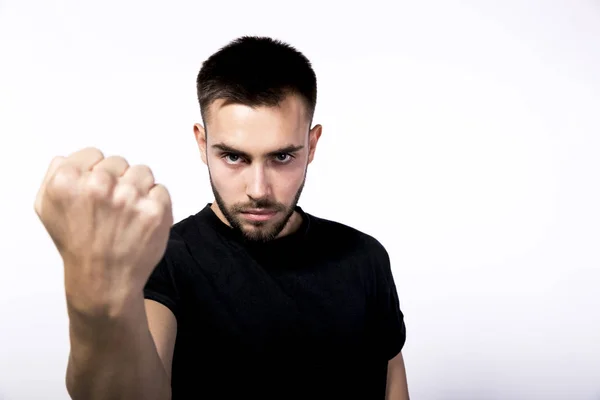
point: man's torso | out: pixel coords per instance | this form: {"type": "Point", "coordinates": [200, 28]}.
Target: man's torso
{"type": "Point", "coordinates": [288, 319]}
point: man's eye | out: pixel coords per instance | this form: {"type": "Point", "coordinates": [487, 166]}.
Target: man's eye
{"type": "Point", "coordinates": [231, 158]}
{"type": "Point", "coordinates": [283, 157]}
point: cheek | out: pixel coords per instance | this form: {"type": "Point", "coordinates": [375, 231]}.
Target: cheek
{"type": "Point", "coordinates": [225, 179]}
{"type": "Point", "coordinates": [289, 181]}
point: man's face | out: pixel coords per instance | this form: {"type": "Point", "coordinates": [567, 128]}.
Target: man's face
{"type": "Point", "coordinates": [257, 160]}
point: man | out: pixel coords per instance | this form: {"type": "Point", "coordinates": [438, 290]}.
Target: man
{"type": "Point", "coordinates": [251, 297]}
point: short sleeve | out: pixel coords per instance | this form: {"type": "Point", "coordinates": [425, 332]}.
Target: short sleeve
{"type": "Point", "coordinates": [390, 329]}
{"type": "Point", "coordinates": [161, 286]}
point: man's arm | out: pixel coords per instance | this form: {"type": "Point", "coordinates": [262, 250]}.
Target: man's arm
{"type": "Point", "coordinates": [110, 223]}
{"type": "Point", "coordinates": [163, 327]}
{"type": "Point", "coordinates": [128, 356]}
{"type": "Point", "coordinates": [397, 386]}
{"type": "Point", "coordinates": [390, 327]}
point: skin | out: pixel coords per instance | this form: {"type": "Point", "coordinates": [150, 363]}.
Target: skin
{"type": "Point", "coordinates": [86, 203]}
{"type": "Point", "coordinates": [257, 159]}
{"type": "Point", "coordinates": [121, 344]}
{"type": "Point", "coordinates": [397, 385]}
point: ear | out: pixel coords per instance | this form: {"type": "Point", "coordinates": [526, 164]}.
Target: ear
{"type": "Point", "coordinates": [313, 139]}
{"type": "Point", "coordinates": [200, 134]}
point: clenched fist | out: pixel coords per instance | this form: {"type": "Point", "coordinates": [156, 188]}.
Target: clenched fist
{"type": "Point", "coordinates": [110, 223]}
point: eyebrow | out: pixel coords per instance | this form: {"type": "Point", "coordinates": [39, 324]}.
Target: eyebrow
{"type": "Point", "coordinates": [230, 149]}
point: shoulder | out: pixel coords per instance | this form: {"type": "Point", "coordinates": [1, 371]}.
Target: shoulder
{"type": "Point", "coordinates": [193, 238]}
{"type": "Point", "coordinates": [340, 234]}
{"type": "Point", "coordinates": [183, 229]}
{"type": "Point", "coordinates": [181, 234]}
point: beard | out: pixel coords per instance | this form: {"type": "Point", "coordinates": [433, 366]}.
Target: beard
{"type": "Point", "coordinates": [261, 231]}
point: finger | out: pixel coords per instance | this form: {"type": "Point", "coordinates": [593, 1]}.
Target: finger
{"type": "Point", "coordinates": [86, 158]}
{"type": "Point", "coordinates": [155, 209]}
{"type": "Point", "coordinates": [158, 201]}
{"type": "Point", "coordinates": [103, 177]}
{"type": "Point", "coordinates": [160, 194]}
{"type": "Point", "coordinates": [54, 165]}
{"type": "Point", "coordinates": [140, 176]}
{"type": "Point", "coordinates": [114, 165]}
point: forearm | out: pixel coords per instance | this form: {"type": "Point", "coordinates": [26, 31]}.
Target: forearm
{"type": "Point", "coordinates": [397, 391]}
{"type": "Point", "coordinates": [397, 386]}
{"type": "Point", "coordinates": [115, 358]}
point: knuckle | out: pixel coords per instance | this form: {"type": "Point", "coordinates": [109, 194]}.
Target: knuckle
{"type": "Point", "coordinates": [94, 152]}
{"type": "Point", "coordinates": [98, 185]}
{"type": "Point", "coordinates": [124, 194]}
{"type": "Point", "coordinates": [56, 162]}
{"type": "Point", "coordinates": [152, 213]}
{"type": "Point", "coordinates": [154, 210]}
{"type": "Point", "coordinates": [145, 170]}
{"type": "Point", "coordinates": [162, 193]}
{"type": "Point", "coordinates": [117, 160]}
{"type": "Point", "coordinates": [141, 174]}
{"type": "Point", "coordinates": [89, 153]}
{"type": "Point", "coordinates": [63, 179]}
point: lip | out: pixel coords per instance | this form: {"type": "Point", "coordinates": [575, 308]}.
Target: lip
{"type": "Point", "coordinates": [259, 215]}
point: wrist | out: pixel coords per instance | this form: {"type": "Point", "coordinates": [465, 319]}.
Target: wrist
{"type": "Point", "coordinates": [104, 310]}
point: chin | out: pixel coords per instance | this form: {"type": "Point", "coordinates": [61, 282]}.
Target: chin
{"type": "Point", "coordinates": [259, 228]}
{"type": "Point", "coordinates": [254, 235]}
{"type": "Point", "coordinates": [263, 231]}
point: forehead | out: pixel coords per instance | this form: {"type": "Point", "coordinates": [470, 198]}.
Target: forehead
{"type": "Point", "coordinates": [258, 129]}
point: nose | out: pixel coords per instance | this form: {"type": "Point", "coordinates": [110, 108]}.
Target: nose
{"type": "Point", "coordinates": [257, 186]}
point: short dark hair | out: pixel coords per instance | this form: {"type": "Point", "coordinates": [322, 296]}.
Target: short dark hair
{"type": "Point", "coordinates": [256, 71]}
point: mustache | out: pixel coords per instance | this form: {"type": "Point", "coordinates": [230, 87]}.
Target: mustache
{"type": "Point", "coordinates": [262, 204]}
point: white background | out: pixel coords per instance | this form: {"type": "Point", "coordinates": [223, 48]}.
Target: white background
{"type": "Point", "coordinates": [464, 135]}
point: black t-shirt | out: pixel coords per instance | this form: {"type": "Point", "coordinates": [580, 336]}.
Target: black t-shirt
{"type": "Point", "coordinates": [312, 315]}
